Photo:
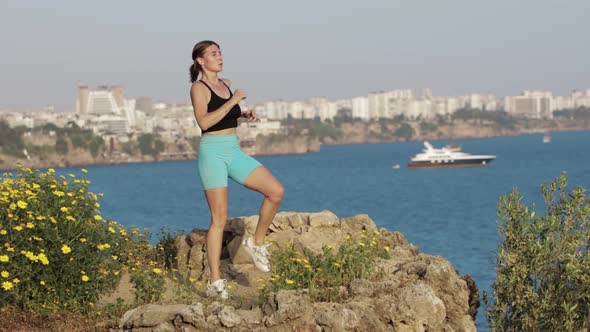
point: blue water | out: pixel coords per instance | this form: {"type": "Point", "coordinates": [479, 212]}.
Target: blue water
{"type": "Point", "coordinates": [446, 212]}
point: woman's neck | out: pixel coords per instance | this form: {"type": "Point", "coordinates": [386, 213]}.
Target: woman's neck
{"type": "Point", "coordinates": [211, 78]}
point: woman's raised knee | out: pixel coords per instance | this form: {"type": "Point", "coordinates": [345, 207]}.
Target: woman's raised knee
{"type": "Point", "coordinates": [277, 193]}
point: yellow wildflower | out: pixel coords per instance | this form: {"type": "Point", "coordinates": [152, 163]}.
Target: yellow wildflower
{"type": "Point", "coordinates": [18, 228]}
{"type": "Point", "coordinates": [83, 240]}
{"type": "Point", "coordinates": [157, 271]}
{"type": "Point", "coordinates": [347, 237]}
{"type": "Point", "coordinates": [42, 282]}
{"type": "Point", "coordinates": [289, 281]}
{"type": "Point", "coordinates": [3, 232]}
{"type": "Point", "coordinates": [22, 204]}
{"type": "Point", "coordinates": [30, 225]}
{"type": "Point", "coordinates": [7, 285]}
{"type": "Point", "coordinates": [4, 258]}
{"type": "Point", "coordinates": [112, 230]}
{"type": "Point", "coordinates": [100, 246]}
{"type": "Point", "coordinates": [36, 186]}
{"type": "Point", "coordinates": [43, 259]}
{"type": "Point", "coordinates": [16, 281]}
{"type": "Point", "coordinates": [5, 274]}
{"type": "Point", "coordinates": [58, 193]}
{"type": "Point", "coordinates": [386, 248]}
{"type": "Point", "coordinates": [84, 170]}
{"type": "Point", "coordinates": [361, 244]}
{"type": "Point", "coordinates": [85, 278]}
{"type": "Point", "coordinates": [97, 217]}
{"type": "Point", "coordinates": [65, 249]}
{"type": "Point", "coordinates": [337, 264]}
{"type": "Point", "coordinates": [50, 171]}
{"type": "Point", "coordinates": [376, 232]}
{"type": "Point", "coordinates": [229, 286]}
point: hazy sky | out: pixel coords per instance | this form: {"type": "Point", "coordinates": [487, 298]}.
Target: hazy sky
{"type": "Point", "coordinates": [292, 50]}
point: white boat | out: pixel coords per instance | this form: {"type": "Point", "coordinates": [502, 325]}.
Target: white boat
{"type": "Point", "coordinates": [546, 138]}
{"type": "Point", "coordinates": [440, 158]}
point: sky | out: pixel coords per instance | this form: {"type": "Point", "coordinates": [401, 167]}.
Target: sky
{"type": "Point", "coordinates": [292, 50]}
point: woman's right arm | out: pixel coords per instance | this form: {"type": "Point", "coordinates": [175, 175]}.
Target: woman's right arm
{"type": "Point", "coordinates": [199, 100]}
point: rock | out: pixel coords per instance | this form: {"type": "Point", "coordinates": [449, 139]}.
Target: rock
{"type": "Point", "coordinates": [323, 219]}
{"type": "Point", "coordinates": [194, 315]}
{"type": "Point", "coordinates": [150, 315]}
{"type": "Point", "coordinates": [335, 317]}
{"type": "Point", "coordinates": [290, 305]}
{"type": "Point", "coordinates": [413, 291]}
{"type": "Point", "coordinates": [358, 222]}
{"type": "Point", "coordinates": [229, 317]}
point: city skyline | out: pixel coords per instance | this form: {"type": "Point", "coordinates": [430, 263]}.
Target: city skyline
{"type": "Point", "coordinates": [291, 52]}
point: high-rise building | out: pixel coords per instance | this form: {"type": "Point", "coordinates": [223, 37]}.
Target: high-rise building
{"type": "Point", "coordinates": [532, 104]}
{"type": "Point", "coordinates": [102, 100]}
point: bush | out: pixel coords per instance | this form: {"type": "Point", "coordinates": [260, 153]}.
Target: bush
{"type": "Point", "coordinates": [58, 252]}
{"type": "Point", "coordinates": [327, 275]}
{"type": "Point", "coordinates": [543, 264]}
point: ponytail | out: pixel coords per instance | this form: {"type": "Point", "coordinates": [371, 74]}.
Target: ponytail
{"type": "Point", "coordinates": [194, 71]}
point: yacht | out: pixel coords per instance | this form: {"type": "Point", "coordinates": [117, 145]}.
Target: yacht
{"type": "Point", "coordinates": [547, 138]}
{"type": "Point", "coordinates": [445, 157]}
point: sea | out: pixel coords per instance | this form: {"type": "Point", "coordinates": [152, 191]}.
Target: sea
{"type": "Point", "coordinates": [445, 212]}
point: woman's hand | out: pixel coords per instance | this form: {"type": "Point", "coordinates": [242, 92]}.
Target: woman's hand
{"type": "Point", "coordinates": [239, 94]}
{"type": "Point", "coordinates": [250, 115]}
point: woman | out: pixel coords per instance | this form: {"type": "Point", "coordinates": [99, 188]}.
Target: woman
{"type": "Point", "coordinates": [217, 112]}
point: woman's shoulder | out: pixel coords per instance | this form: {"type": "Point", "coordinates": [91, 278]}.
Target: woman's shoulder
{"type": "Point", "coordinates": [200, 88]}
{"type": "Point", "coordinates": [226, 81]}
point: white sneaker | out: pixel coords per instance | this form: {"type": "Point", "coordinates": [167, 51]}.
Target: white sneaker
{"type": "Point", "coordinates": [217, 289]}
{"type": "Point", "coordinates": [258, 253]}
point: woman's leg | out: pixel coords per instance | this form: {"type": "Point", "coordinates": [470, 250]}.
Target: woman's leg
{"type": "Point", "coordinates": [261, 180]}
{"type": "Point", "coordinates": [217, 201]}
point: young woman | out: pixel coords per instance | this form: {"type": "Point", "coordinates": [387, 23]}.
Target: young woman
{"type": "Point", "coordinates": [219, 157]}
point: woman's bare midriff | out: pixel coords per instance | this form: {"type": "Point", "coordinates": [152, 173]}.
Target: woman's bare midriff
{"type": "Point", "coordinates": [228, 131]}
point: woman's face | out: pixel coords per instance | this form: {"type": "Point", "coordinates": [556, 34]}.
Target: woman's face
{"type": "Point", "coordinates": [212, 59]}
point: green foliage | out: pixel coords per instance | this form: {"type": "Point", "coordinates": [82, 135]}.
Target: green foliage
{"type": "Point", "coordinates": [61, 145]}
{"type": "Point", "coordinates": [543, 264]}
{"type": "Point", "coordinates": [148, 285]}
{"type": "Point", "coordinates": [149, 144]}
{"type": "Point", "coordinates": [501, 118]}
{"type": "Point", "coordinates": [580, 113]}
{"type": "Point", "coordinates": [58, 252]}
{"type": "Point", "coordinates": [94, 145]}
{"type": "Point", "coordinates": [11, 140]}
{"type": "Point", "coordinates": [405, 131]}
{"type": "Point", "coordinates": [327, 275]}
{"type": "Point", "coordinates": [428, 127]}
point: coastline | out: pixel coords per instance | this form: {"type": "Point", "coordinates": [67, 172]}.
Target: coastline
{"type": "Point", "coordinates": [63, 163]}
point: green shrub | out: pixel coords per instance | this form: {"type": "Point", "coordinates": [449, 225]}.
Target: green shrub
{"type": "Point", "coordinates": [543, 264]}
{"type": "Point", "coordinates": [327, 274]}
{"type": "Point", "coordinates": [57, 251]}
{"type": "Point", "coordinates": [148, 285]}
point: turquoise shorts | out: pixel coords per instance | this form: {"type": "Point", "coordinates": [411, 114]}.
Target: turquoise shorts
{"type": "Point", "coordinates": [220, 157]}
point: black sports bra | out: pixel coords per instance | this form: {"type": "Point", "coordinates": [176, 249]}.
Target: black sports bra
{"type": "Point", "coordinates": [230, 120]}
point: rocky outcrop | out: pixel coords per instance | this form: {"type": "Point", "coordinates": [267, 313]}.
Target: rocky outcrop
{"type": "Point", "coordinates": [415, 291]}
